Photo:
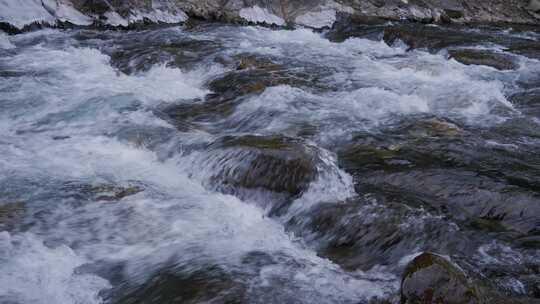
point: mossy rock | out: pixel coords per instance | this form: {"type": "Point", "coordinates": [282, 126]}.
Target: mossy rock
{"type": "Point", "coordinates": [483, 57]}
{"type": "Point", "coordinates": [432, 279]}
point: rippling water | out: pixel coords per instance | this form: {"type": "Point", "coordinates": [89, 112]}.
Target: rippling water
{"type": "Point", "coordinates": [153, 167]}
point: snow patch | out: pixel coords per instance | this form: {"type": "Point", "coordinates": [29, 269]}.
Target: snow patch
{"type": "Point", "coordinates": [66, 12]}
{"type": "Point", "coordinates": [22, 12]}
{"type": "Point", "coordinates": [320, 19]}
{"type": "Point", "coordinates": [260, 15]}
{"type": "Point", "coordinates": [114, 19]}
{"type": "Point", "coordinates": [159, 15]}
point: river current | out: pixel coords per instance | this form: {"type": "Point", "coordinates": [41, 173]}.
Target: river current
{"type": "Point", "coordinates": [222, 164]}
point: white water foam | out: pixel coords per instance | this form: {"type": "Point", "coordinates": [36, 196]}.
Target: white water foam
{"type": "Point", "coordinates": [175, 220]}
{"type": "Point", "coordinates": [5, 43]}
{"type": "Point", "coordinates": [31, 272]}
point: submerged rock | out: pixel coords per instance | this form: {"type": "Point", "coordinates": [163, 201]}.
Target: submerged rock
{"type": "Point", "coordinates": [100, 192]}
{"type": "Point", "coordinates": [378, 228]}
{"type": "Point", "coordinates": [483, 57]}
{"type": "Point", "coordinates": [10, 213]}
{"type": "Point", "coordinates": [418, 36]}
{"type": "Point", "coordinates": [432, 279]}
{"type": "Point", "coordinates": [141, 55]}
{"type": "Point", "coordinates": [184, 284]}
{"type": "Point", "coordinates": [256, 73]}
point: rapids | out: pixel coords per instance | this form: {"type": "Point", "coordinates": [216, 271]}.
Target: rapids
{"type": "Point", "coordinates": [224, 164]}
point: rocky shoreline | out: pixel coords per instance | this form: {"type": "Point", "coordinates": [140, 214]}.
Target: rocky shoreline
{"type": "Point", "coordinates": [34, 14]}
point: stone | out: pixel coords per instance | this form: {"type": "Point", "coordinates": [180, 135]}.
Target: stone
{"type": "Point", "coordinates": [483, 57]}
{"type": "Point", "coordinates": [534, 5]}
{"type": "Point", "coordinates": [273, 163]}
{"type": "Point", "coordinates": [10, 213]}
{"type": "Point", "coordinates": [431, 278]}
{"type": "Point", "coordinates": [100, 192]}
{"type": "Point", "coordinates": [254, 74]}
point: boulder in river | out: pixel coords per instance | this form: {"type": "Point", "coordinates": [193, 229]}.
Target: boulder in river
{"type": "Point", "coordinates": [256, 73]}
{"type": "Point", "coordinates": [432, 279]}
{"type": "Point", "coordinates": [9, 213]}
{"type": "Point", "coordinates": [274, 163]}
{"type": "Point", "coordinates": [100, 192]}
{"type": "Point", "coordinates": [483, 57]}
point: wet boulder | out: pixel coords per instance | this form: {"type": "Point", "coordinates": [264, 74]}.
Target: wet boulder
{"type": "Point", "coordinates": [183, 284]}
{"type": "Point", "coordinates": [534, 5]}
{"type": "Point", "coordinates": [418, 36]}
{"type": "Point", "coordinates": [275, 164]}
{"type": "Point", "coordinates": [483, 57]}
{"type": "Point", "coordinates": [10, 213]}
{"type": "Point", "coordinates": [99, 192]}
{"type": "Point", "coordinates": [378, 228]}
{"type": "Point", "coordinates": [138, 55]}
{"type": "Point", "coordinates": [198, 114]}
{"type": "Point", "coordinates": [430, 278]}
{"type": "Point", "coordinates": [356, 26]}
{"type": "Point", "coordinates": [254, 74]}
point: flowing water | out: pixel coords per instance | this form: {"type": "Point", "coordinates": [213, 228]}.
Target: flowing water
{"type": "Point", "coordinates": [225, 164]}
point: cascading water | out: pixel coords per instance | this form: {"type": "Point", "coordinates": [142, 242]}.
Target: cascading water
{"type": "Point", "coordinates": [223, 164]}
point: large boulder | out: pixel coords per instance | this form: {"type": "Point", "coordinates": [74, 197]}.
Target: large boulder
{"type": "Point", "coordinates": [272, 163]}
{"type": "Point", "coordinates": [432, 279]}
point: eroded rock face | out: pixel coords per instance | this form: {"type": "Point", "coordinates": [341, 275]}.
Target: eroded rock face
{"type": "Point", "coordinates": [430, 278]}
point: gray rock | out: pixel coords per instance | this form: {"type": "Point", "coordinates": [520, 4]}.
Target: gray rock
{"type": "Point", "coordinates": [483, 57]}
{"type": "Point", "coordinates": [430, 278]}
{"type": "Point", "coordinates": [534, 5]}
{"type": "Point", "coordinates": [273, 163]}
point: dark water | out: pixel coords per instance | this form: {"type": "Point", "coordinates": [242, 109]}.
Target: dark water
{"type": "Point", "coordinates": [222, 164]}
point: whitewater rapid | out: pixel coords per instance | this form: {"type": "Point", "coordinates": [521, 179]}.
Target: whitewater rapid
{"type": "Point", "coordinates": [68, 116]}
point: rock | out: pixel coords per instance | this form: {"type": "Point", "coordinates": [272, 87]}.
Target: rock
{"type": "Point", "coordinates": [378, 228]}
{"type": "Point", "coordinates": [418, 36]}
{"type": "Point", "coordinates": [430, 278]}
{"type": "Point", "coordinates": [273, 163]}
{"type": "Point", "coordinates": [483, 57]}
{"type": "Point", "coordinates": [10, 213]}
{"type": "Point", "coordinates": [254, 74]}
{"type": "Point", "coordinates": [99, 192]}
{"type": "Point", "coordinates": [141, 56]}
{"type": "Point", "coordinates": [434, 127]}
{"type": "Point", "coordinates": [534, 5]}
{"type": "Point", "coordinates": [184, 284]}
{"type": "Point", "coordinates": [350, 26]}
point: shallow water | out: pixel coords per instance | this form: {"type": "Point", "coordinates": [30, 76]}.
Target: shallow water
{"type": "Point", "coordinates": [121, 188]}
